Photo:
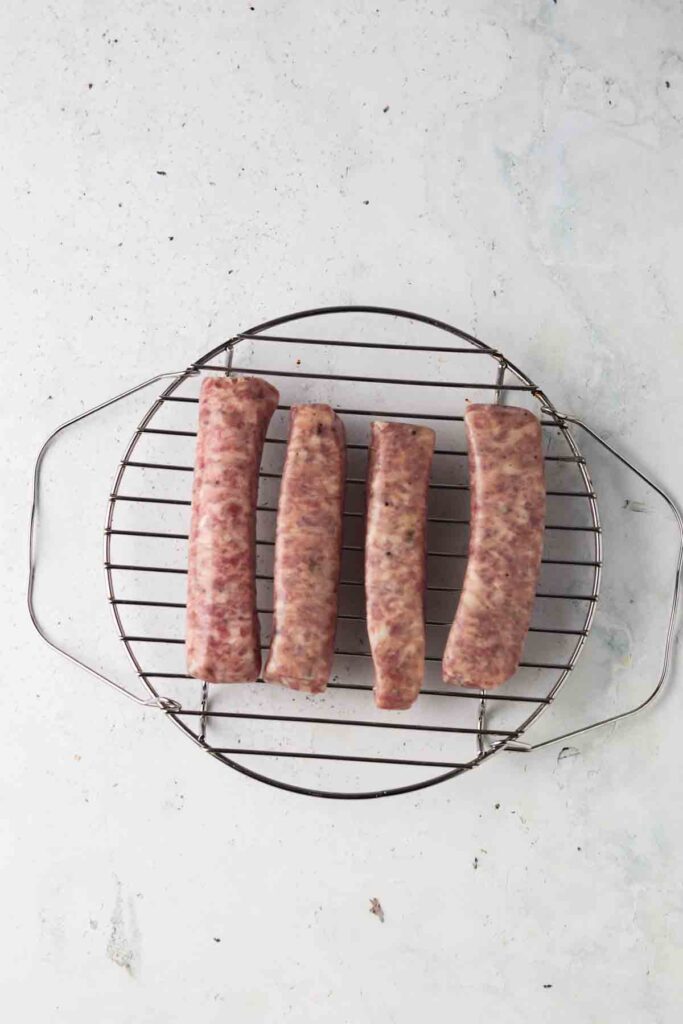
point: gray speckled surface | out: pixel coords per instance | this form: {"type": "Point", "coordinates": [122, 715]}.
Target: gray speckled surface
{"type": "Point", "coordinates": [171, 172]}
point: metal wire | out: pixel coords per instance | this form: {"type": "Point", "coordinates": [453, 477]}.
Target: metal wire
{"type": "Point", "coordinates": [673, 610]}
{"type": "Point", "coordinates": [164, 703]}
{"type": "Point", "coordinates": [488, 741]}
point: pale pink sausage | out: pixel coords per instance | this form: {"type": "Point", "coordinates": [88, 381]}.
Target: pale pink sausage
{"type": "Point", "coordinates": [222, 639]}
{"type": "Point", "coordinates": [395, 558]}
{"type": "Point", "coordinates": [507, 516]}
{"type": "Point", "coordinates": [308, 550]}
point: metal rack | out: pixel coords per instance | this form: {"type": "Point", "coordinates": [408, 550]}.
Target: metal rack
{"type": "Point", "coordinates": [318, 363]}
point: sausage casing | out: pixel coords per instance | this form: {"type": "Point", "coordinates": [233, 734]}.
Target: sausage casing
{"type": "Point", "coordinates": [308, 550]}
{"type": "Point", "coordinates": [395, 558]}
{"type": "Point", "coordinates": [222, 637]}
{"type": "Point", "coordinates": [507, 517]}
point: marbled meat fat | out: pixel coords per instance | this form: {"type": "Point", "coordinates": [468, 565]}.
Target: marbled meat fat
{"type": "Point", "coordinates": [308, 550]}
{"type": "Point", "coordinates": [222, 638]}
{"type": "Point", "coordinates": [395, 558]}
{"type": "Point", "coordinates": [507, 517]}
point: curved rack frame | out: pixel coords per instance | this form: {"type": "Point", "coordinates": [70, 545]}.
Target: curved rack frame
{"type": "Point", "coordinates": [489, 741]}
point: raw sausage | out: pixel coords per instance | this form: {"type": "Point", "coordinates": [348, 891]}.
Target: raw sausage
{"type": "Point", "coordinates": [222, 641]}
{"type": "Point", "coordinates": [395, 558]}
{"type": "Point", "coordinates": [308, 550]}
{"type": "Point", "coordinates": [507, 515]}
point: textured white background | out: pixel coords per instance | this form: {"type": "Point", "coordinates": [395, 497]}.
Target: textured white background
{"type": "Point", "coordinates": [524, 183]}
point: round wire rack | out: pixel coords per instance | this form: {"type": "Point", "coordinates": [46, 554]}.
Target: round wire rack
{"type": "Point", "coordinates": [367, 362]}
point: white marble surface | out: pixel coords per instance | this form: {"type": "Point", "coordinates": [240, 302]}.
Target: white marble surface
{"type": "Point", "coordinates": [513, 168]}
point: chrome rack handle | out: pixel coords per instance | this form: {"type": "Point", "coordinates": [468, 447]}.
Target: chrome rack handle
{"type": "Point", "coordinates": [520, 747]}
{"type": "Point", "coordinates": [163, 703]}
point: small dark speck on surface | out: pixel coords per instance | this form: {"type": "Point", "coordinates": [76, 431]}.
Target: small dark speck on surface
{"type": "Point", "coordinates": [668, 85]}
{"type": "Point", "coordinates": [231, 271]}
{"type": "Point", "coordinates": [215, 939]}
{"type": "Point", "coordinates": [475, 863]}
{"type": "Point", "coordinates": [171, 237]}
{"type": "Point", "coordinates": [90, 85]}
{"type": "Point", "coordinates": [568, 752]}
{"type": "Point", "coordinates": [579, 848]}
{"type": "Point", "coordinates": [162, 173]}
{"type": "Point", "coordinates": [549, 986]}
{"type": "Point", "coordinates": [49, 396]}
{"type": "Point", "coordinates": [376, 908]}
{"type": "Point", "coordinates": [366, 202]}
{"type": "Point", "coordinates": [385, 110]}
{"type": "Point", "coordinates": [497, 806]}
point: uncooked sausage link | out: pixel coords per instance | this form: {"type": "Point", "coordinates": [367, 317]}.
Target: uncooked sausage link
{"type": "Point", "coordinates": [507, 494]}
{"type": "Point", "coordinates": [395, 558]}
{"type": "Point", "coordinates": [222, 640]}
{"type": "Point", "coordinates": [308, 550]}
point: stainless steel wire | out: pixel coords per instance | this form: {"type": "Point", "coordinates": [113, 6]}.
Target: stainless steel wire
{"type": "Point", "coordinates": [195, 721]}
{"type": "Point", "coordinates": [164, 703]}
{"type": "Point", "coordinates": [488, 740]}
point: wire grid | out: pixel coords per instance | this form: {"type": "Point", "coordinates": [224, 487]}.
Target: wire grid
{"type": "Point", "coordinates": [346, 710]}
